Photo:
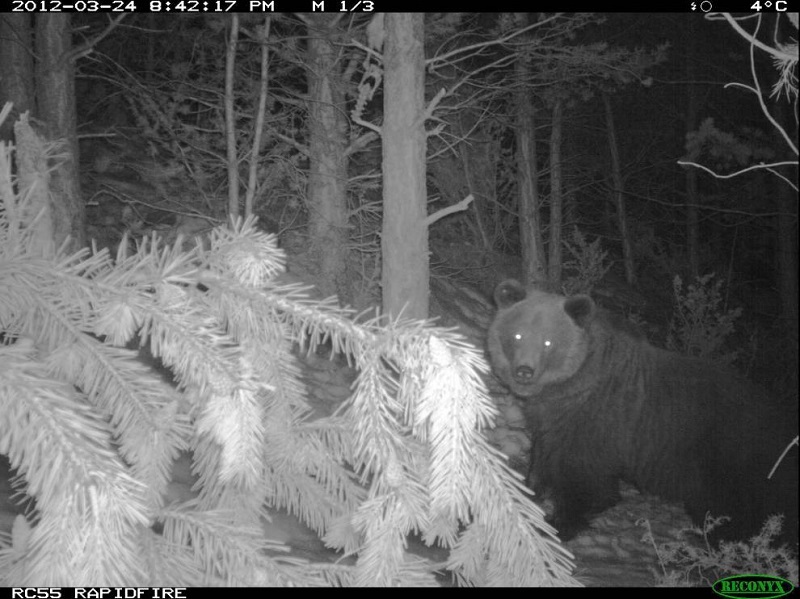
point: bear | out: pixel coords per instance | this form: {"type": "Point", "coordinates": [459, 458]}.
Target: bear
{"type": "Point", "coordinates": [603, 405]}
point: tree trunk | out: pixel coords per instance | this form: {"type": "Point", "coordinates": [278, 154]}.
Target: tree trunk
{"type": "Point", "coordinates": [787, 275]}
{"type": "Point", "coordinates": [230, 119]}
{"type": "Point", "coordinates": [787, 249]}
{"type": "Point", "coordinates": [16, 67]}
{"type": "Point", "coordinates": [35, 213]}
{"type": "Point", "coordinates": [263, 90]}
{"type": "Point", "coordinates": [556, 196]}
{"type": "Point", "coordinates": [405, 233]}
{"type": "Point", "coordinates": [478, 161]}
{"type": "Point", "coordinates": [327, 179]}
{"type": "Point", "coordinates": [55, 89]}
{"type": "Point", "coordinates": [533, 258]}
{"type": "Point", "coordinates": [619, 195]}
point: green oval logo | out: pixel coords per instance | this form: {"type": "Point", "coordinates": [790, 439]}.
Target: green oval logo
{"type": "Point", "coordinates": [757, 586]}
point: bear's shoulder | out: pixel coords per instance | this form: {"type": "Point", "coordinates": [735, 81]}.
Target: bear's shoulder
{"type": "Point", "coordinates": [618, 324]}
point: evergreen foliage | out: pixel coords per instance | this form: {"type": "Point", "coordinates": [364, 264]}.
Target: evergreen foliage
{"type": "Point", "coordinates": [687, 563]}
{"type": "Point", "coordinates": [93, 431]}
{"type": "Point", "coordinates": [587, 265]}
{"type": "Point", "coordinates": [702, 324]}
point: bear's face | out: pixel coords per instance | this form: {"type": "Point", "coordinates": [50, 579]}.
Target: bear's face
{"type": "Point", "coordinates": [537, 338]}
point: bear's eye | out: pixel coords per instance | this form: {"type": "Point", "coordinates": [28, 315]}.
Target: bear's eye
{"type": "Point", "coordinates": [548, 344]}
{"type": "Point", "coordinates": [517, 336]}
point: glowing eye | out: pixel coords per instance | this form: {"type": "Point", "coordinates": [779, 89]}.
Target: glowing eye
{"type": "Point", "coordinates": [518, 336]}
{"type": "Point", "coordinates": [547, 343]}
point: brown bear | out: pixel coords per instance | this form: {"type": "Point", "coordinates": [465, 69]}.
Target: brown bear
{"type": "Point", "coordinates": [603, 405]}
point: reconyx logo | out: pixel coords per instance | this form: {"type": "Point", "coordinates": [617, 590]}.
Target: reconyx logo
{"type": "Point", "coordinates": [744, 586]}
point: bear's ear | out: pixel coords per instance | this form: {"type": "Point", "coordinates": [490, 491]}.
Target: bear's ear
{"type": "Point", "coordinates": [580, 308]}
{"type": "Point", "coordinates": [509, 292]}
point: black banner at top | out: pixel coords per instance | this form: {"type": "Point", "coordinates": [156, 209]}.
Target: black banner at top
{"type": "Point", "coordinates": [372, 6]}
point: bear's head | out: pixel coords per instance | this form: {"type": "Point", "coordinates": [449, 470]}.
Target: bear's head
{"type": "Point", "coordinates": [538, 339]}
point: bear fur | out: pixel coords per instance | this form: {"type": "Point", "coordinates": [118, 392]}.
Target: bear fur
{"type": "Point", "coordinates": [603, 405]}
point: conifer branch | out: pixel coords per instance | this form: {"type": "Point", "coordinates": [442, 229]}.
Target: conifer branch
{"type": "Point", "coordinates": [93, 430]}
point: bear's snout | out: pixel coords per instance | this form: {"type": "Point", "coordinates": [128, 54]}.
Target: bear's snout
{"type": "Point", "coordinates": [524, 374]}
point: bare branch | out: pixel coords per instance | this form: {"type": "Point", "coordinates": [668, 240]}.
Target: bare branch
{"type": "Point", "coordinates": [363, 123]}
{"type": "Point", "coordinates": [433, 62]}
{"type": "Point", "coordinates": [292, 142]}
{"type": "Point", "coordinates": [779, 54]}
{"type": "Point", "coordinates": [753, 167]}
{"type": "Point", "coordinates": [86, 48]}
{"type": "Point", "coordinates": [757, 89]}
{"type": "Point", "coordinates": [361, 142]}
{"type": "Point", "coordinates": [462, 205]}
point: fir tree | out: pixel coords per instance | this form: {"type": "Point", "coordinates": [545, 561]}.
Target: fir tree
{"type": "Point", "coordinates": [93, 431]}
